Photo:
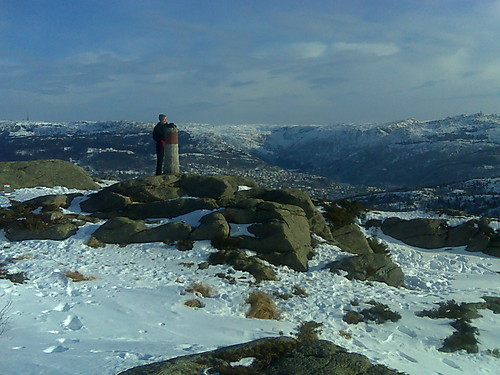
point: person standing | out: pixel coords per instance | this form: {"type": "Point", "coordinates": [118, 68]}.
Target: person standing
{"type": "Point", "coordinates": [161, 134]}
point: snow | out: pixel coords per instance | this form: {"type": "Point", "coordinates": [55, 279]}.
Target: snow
{"type": "Point", "coordinates": [133, 313]}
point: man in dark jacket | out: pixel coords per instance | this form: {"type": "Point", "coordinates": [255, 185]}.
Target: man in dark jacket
{"type": "Point", "coordinates": [160, 137]}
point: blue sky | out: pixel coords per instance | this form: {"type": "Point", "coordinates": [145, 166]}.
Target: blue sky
{"type": "Point", "coordinates": [252, 61]}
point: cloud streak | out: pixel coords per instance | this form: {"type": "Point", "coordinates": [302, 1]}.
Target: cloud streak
{"type": "Point", "coordinates": [332, 61]}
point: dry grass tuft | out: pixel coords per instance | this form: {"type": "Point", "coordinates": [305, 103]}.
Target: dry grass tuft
{"type": "Point", "coordinates": [202, 290]}
{"type": "Point", "coordinates": [78, 277]}
{"type": "Point", "coordinates": [194, 303]}
{"type": "Point", "coordinates": [299, 291]}
{"type": "Point", "coordinates": [309, 331]}
{"type": "Point", "coordinates": [95, 243]}
{"type": "Point", "coordinates": [345, 334]}
{"type": "Point", "coordinates": [262, 306]}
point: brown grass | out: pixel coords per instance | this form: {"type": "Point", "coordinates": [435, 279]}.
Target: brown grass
{"type": "Point", "coordinates": [78, 277]}
{"type": "Point", "coordinates": [194, 303]}
{"type": "Point", "coordinates": [95, 243]}
{"type": "Point", "coordinates": [202, 290]}
{"type": "Point", "coordinates": [262, 306]}
{"type": "Point", "coordinates": [309, 331]}
{"type": "Point", "coordinates": [345, 334]}
{"type": "Point", "coordinates": [297, 290]}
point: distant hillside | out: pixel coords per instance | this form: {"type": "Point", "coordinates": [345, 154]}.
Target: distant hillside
{"type": "Point", "coordinates": [405, 154]}
{"type": "Point", "coordinates": [395, 155]}
{"type": "Point", "coordinates": [475, 197]}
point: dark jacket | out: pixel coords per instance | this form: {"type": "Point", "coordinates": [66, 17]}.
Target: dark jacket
{"type": "Point", "coordinates": [160, 133]}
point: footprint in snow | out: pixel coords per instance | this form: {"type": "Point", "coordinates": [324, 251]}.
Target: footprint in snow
{"type": "Point", "coordinates": [55, 349]}
{"type": "Point", "coordinates": [407, 357]}
{"type": "Point", "coordinates": [63, 307]}
{"type": "Point", "coordinates": [73, 323]}
{"type": "Point", "coordinates": [407, 331]}
{"type": "Point", "coordinates": [451, 363]}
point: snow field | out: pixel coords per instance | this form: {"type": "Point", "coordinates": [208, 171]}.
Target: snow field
{"type": "Point", "coordinates": [133, 312]}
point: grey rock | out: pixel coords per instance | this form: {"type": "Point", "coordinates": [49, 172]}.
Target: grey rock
{"type": "Point", "coordinates": [52, 202]}
{"type": "Point", "coordinates": [285, 240]}
{"type": "Point", "coordinates": [119, 230]}
{"type": "Point", "coordinates": [212, 226]}
{"type": "Point", "coordinates": [55, 231]}
{"type": "Point", "coordinates": [370, 267]}
{"type": "Point", "coordinates": [351, 239]}
{"type": "Point", "coordinates": [215, 186]}
{"type": "Point", "coordinates": [240, 261]}
{"type": "Point", "coordinates": [299, 198]}
{"type": "Point", "coordinates": [105, 201]}
{"type": "Point", "coordinates": [423, 233]}
{"type": "Point", "coordinates": [319, 357]}
{"type": "Point", "coordinates": [149, 189]}
{"type": "Point", "coordinates": [494, 247]}
{"type": "Point", "coordinates": [479, 242]}
{"type": "Point", "coordinates": [168, 233]}
{"type": "Point", "coordinates": [462, 234]}
{"type": "Point", "coordinates": [168, 209]}
{"type": "Point", "coordinates": [27, 174]}
{"type": "Point", "coordinates": [279, 355]}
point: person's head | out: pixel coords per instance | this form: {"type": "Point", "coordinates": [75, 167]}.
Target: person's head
{"type": "Point", "coordinates": [163, 119]}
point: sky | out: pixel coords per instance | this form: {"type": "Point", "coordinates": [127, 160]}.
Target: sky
{"type": "Point", "coordinates": [248, 61]}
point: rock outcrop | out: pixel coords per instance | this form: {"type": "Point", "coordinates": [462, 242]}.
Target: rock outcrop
{"type": "Point", "coordinates": [50, 223]}
{"type": "Point", "coordinates": [272, 356]}
{"type": "Point", "coordinates": [27, 174]}
{"type": "Point", "coordinates": [279, 223]}
{"type": "Point", "coordinates": [476, 235]}
{"type": "Point", "coordinates": [370, 267]}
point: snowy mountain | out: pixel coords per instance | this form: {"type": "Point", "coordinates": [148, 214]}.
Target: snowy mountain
{"type": "Point", "coordinates": [400, 154]}
{"type": "Point", "coordinates": [394, 155]}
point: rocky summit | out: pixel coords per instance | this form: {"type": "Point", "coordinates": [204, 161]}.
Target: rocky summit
{"type": "Point", "coordinates": [279, 223]}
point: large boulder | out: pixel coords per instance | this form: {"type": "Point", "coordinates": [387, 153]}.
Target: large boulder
{"type": "Point", "coordinates": [18, 231]}
{"type": "Point", "coordinates": [27, 174]}
{"type": "Point", "coordinates": [242, 262]}
{"type": "Point", "coordinates": [423, 233]}
{"type": "Point", "coordinates": [215, 186]}
{"type": "Point", "coordinates": [212, 226]}
{"type": "Point", "coordinates": [299, 198]}
{"type": "Point", "coordinates": [281, 234]}
{"type": "Point", "coordinates": [119, 230]}
{"type": "Point", "coordinates": [123, 230]}
{"type": "Point", "coordinates": [52, 202]}
{"type": "Point", "coordinates": [351, 239]}
{"type": "Point", "coordinates": [276, 355]}
{"type": "Point", "coordinates": [370, 267]}
{"type": "Point", "coordinates": [476, 235]}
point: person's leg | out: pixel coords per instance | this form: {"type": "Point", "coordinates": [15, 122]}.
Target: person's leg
{"type": "Point", "coordinates": [160, 153]}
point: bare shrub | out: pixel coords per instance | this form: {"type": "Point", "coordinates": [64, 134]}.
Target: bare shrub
{"type": "Point", "coordinates": [262, 306]}
{"type": "Point", "coordinates": [3, 316]}
{"type": "Point", "coordinates": [78, 277]}
{"type": "Point", "coordinates": [202, 290]}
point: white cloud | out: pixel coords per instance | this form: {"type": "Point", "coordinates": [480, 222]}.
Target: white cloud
{"type": "Point", "coordinates": [377, 49]}
{"type": "Point", "coordinates": [307, 50]}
